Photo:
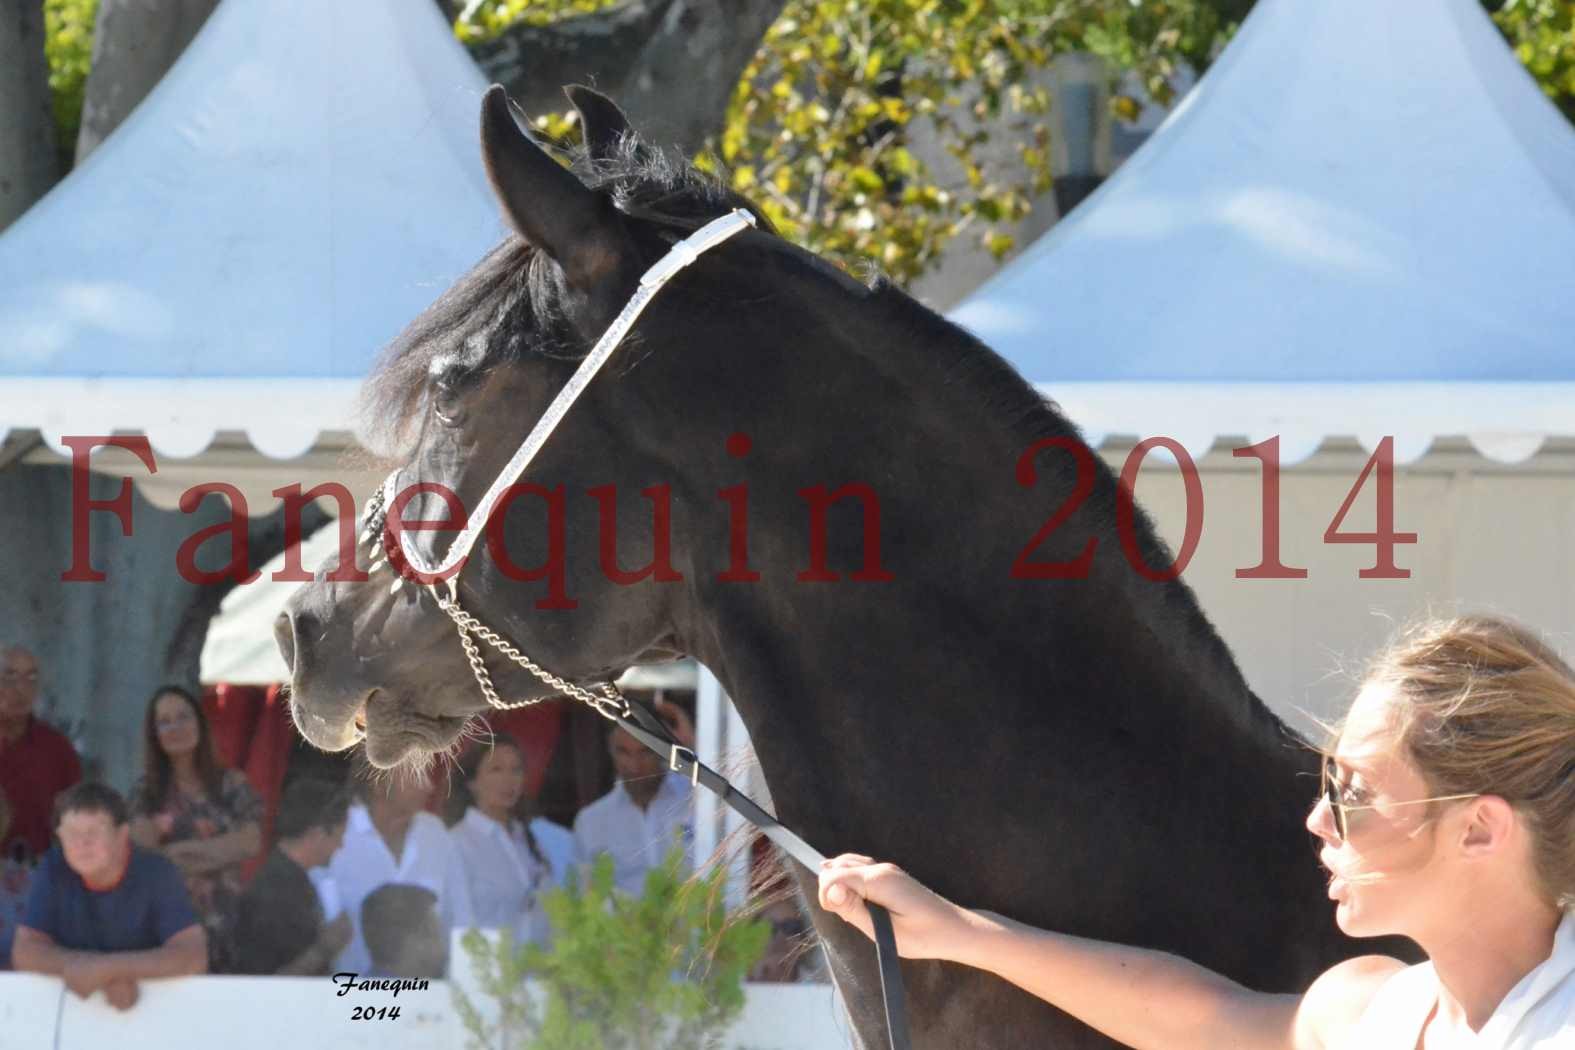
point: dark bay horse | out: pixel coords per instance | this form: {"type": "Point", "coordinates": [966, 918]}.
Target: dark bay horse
{"type": "Point", "coordinates": [848, 481]}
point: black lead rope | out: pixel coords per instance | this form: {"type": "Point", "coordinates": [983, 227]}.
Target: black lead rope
{"type": "Point", "coordinates": [653, 733]}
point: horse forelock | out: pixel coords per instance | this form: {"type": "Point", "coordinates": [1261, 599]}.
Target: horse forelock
{"type": "Point", "coordinates": [649, 182]}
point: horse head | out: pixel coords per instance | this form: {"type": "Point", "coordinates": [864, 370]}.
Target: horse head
{"type": "Point", "coordinates": [456, 394]}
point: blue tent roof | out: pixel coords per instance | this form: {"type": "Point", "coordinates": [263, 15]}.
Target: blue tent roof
{"type": "Point", "coordinates": [300, 185]}
{"type": "Point", "coordinates": [1355, 192]}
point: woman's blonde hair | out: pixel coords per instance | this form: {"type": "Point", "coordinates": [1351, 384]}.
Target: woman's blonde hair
{"type": "Point", "coordinates": [1484, 706]}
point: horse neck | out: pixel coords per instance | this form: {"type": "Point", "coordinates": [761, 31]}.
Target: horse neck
{"type": "Point", "coordinates": [870, 677]}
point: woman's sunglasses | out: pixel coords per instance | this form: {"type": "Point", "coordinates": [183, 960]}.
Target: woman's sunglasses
{"type": "Point", "coordinates": [1333, 791]}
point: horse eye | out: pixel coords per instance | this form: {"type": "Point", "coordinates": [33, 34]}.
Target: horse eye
{"type": "Point", "coordinates": [447, 402]}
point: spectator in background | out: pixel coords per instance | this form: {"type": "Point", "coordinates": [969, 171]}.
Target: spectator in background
{"type": "Point", "coordinates": [794, 952]}
{"type": "Point", "coordinates": [390, 838]}
{"type": "Point", "coordinates": [556, 843]}
{"type": "Point", "coordinates": [37, 762]}
{"type": "Point", "coordinates": [404, 934]}
{"type": "Point", "coordinates": [639, 820]}
{"type": "Point", "coordinates": [14, 877]}
{"type": "Point", "coordinates": [279, 922]}
{"type": "Point", "coordinates": [103, 913]}
{"type": "Point", "coordinates": [203, 817]}
{"type": "Point", "coordinates": [505, 867]}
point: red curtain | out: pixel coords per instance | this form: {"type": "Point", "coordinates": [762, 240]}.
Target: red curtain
{"type": "Point", "coordinates": [252, 732]}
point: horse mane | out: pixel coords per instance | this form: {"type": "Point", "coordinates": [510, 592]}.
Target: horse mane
{"type": "Point", "coordinates": [959, 360]}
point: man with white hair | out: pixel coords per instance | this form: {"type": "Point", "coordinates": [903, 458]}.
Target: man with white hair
{"type": "Point", "coordinates": [37, 761]}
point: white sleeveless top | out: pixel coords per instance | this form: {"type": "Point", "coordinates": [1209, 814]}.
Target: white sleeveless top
{"type": "Point", "coordinates": [1537, 1014]}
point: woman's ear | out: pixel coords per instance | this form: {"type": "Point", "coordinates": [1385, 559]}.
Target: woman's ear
{"type": "Point", "coordinates": [1491, 824]}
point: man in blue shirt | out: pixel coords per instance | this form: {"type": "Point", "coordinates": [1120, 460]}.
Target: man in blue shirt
{"type": "Point", "coordinates": [103, 913]}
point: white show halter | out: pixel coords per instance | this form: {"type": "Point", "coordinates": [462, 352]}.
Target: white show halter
{"type": "Point", "coordinates": [679, 256]}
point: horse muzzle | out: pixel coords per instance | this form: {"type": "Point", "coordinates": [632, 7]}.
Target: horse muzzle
{"type": "Point", "coordinates": [330, 715]}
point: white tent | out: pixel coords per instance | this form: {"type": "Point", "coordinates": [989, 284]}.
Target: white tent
{"type": "Point", "coordinates": [222, 271]}
{"type": "Point", "coordinates": [1360, 223]}
{"type": "Point", "coordinates": [240, 648]}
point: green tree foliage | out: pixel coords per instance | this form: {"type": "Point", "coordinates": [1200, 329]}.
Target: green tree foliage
{"type": "Point", "coordinates": [1542, 32]}
{"type": "Point", "coordinates": [823, 127]}
{"type": "Point", "coordinates": [484, 19]}
{"type": "Point", "coordinates": [68, 46]}
{"type": "Point", "coordinates": [664, 970]}
{"type": "Point", "coordinates": [820, 130]}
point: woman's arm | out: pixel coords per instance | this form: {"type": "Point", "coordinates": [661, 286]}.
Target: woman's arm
{"type": "Point", "coordinates": [196, 856]}
{"type": "Point", "coordinates": [1147, 999]}
{"type": "Point", "coordinates": [144, 832]}
{"type": "Point", "coordinates": [1137, 996]}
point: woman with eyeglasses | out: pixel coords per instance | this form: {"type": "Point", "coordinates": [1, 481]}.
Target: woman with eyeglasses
{"type": "Point", "coordinates": [202, 816]}
{"type": "Point", "coordinates": [1447, 815]}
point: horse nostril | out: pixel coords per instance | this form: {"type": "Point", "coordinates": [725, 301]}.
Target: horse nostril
{"type": "Point", "coordinates": [284, 634]}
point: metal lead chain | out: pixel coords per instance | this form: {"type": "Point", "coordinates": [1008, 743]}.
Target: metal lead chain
{"type": "Point", "coordinates": [610, 705]}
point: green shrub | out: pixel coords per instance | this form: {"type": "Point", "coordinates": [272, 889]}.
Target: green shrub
{"type": "Point", "coordinates": [663, 970]}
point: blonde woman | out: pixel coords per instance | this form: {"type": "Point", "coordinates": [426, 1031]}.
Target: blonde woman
{"type": "Point", "coordinates": [1447, 815]}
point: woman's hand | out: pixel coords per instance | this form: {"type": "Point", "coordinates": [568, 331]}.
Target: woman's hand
{"type": "Point", "coordinates": [927, 925]}
{"type": "Point", "coordinates": [190, 856]}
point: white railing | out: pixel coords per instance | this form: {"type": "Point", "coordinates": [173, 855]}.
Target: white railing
{"type": "Point", "coordinates": [303, 1013]}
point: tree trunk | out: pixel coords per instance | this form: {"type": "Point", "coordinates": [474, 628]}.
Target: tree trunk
{"type": "Point", "coordinates": [672, 65]}
{"type": "Point", "coordinates": [28, 166]}
{"type": "Point", "coordinates": [134, 45]}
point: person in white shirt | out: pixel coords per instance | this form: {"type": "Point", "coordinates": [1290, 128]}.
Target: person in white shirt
{"type": "Point", "coordinates": [505, 868]}
{"type": "Point", "coordinates": [556, 843]}
{"type": "Point", "coordinates": [639, 820]}
{"type": "Point", "coordinates": [390, 838]}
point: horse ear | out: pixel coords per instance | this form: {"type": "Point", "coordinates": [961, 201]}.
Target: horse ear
{"type": "Point", "coordinates": [603, 122]}
{"type": "Point", "coordinates": [545, 202]}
